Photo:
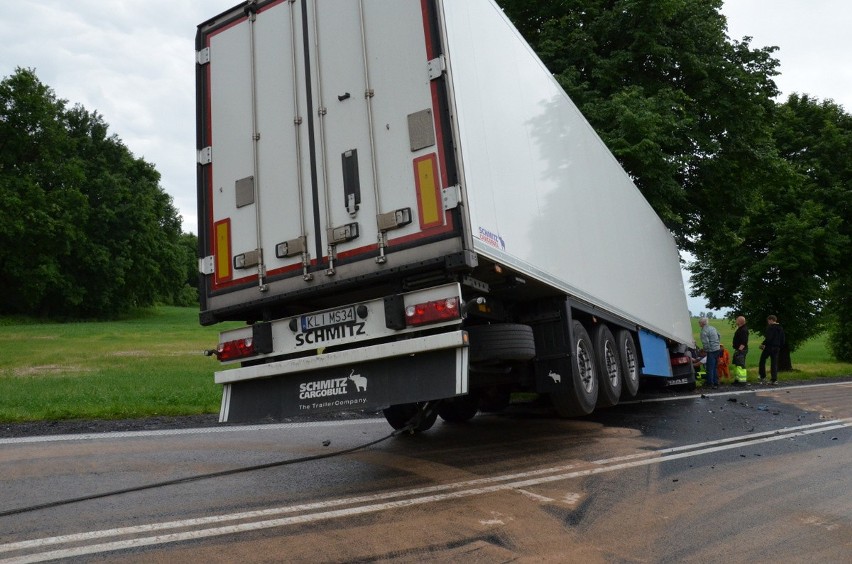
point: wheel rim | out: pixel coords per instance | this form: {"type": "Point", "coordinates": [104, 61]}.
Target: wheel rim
{"type": "Point", "coordinates": [585, 366]}
{"type": "Point", "coordinates": [630, 359]}
{"type": "Point", "coordinates": [611, 364]}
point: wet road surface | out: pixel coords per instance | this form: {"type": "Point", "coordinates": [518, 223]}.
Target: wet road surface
{"type": "Point", "coordinates": [745, 475]}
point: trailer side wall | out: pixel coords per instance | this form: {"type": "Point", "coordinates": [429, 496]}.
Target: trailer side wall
{"type": "Point", "coordinates": [543, 192]}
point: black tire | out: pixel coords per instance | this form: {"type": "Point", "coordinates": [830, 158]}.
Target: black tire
{"type": "Point", "coordinates": [494, 399]}
{"type": "Point", "coordinates": [629, 363]}
{"type": "Point", "coordinates": [609, 367]}
{"type": "Point", "coordinates": [503, 341]}
{"type": "Point", "coordinates": [581, 395]}
{"type": "Point", "coordinates": [459, 409]}
{"type": "Point", "coordinates": [400, 415]}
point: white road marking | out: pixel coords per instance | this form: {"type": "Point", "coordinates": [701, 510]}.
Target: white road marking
{"type": "Point", "coordinates": [193, 431]}
{"type": "Point", "coordinates": [750, 390]}
{"type": "Point", "coordinates": [364, 504]}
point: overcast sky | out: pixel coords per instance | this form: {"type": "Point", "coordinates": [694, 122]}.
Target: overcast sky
{"type": "Point", "coordinates": [133, 61]}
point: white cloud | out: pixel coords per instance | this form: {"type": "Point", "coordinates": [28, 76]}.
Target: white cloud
{"type": "Point", "coordinates": [813, 42]}
{"type": "Point", "coordinates": [132, 61]}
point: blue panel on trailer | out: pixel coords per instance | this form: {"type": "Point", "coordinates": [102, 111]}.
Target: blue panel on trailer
{"type": "Point", "coordinates": [655, 355]}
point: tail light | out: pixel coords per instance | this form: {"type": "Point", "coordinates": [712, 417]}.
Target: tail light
{"type": "Point", "coordinates": [432, 312]}
{"type": "Point", "coordinates": [681, 360]}
{"type": "Point", "coordinates": [231, 350]}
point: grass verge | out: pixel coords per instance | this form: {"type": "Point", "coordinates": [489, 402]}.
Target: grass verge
{"type": "Point", "coordinates": [151, 365]}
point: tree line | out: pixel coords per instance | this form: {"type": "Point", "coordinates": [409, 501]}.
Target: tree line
{"type": "Point", "coordinates": [86, 231]}
{"type": "Point", "coordinates": [758, 191]}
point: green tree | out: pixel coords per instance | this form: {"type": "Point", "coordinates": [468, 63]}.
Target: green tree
{"type": "Point", "coordinates": [682, 108]}
{"type": "Point", "coordinates": [791, 244]}
{"type": "Point", "coordinates": [188, 295]}
{"type": "Point", "coordinates": [690, 115]}
{"type": "Point", "coordinates": [816, 138]}
{"type": "Point", "coordinates": [85, 229]}
{"type": "Point", "coordinates": [41, 210]}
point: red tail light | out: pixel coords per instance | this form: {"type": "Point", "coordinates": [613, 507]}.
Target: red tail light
{"type": "Point", "coordinates": [680, 360]}
{"type": "Point", "coordinates": [432, 312]}
{"type": "Point", "coordinates": [241, 348]}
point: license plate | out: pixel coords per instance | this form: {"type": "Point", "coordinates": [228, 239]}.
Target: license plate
{"type": "Point", "coordinates": [328, 318]}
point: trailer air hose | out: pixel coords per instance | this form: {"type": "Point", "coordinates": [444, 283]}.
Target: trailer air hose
{"type": "Point", "coordinates": [409, 428]}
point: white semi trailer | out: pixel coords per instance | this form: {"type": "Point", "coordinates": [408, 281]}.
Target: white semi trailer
{"type": "Point", "coordinates": [411, 215]}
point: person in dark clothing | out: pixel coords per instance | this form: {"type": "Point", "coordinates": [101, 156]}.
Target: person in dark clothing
{"type": "Point", "coordinates": [740, 342]}
{"type": "Point", "coordinates": [771, 346]}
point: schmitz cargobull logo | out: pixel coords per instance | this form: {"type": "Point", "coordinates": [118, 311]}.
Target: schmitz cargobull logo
{"type": "Point", "coordinates": [333, 391]}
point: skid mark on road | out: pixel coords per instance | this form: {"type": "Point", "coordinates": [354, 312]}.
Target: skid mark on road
{"type": "Point", "coordinates": [213, 526]}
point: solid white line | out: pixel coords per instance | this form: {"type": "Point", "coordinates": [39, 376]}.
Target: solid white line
{"type": "Point", "coordinates": [279, 426]}
{"type": "Point", "coordinates": [193, 431]}
{"type": "Point", "coordinates": [730, 440]}
{"type": "Point", "coordinates": [523, 480]}
{"type": "Point", "coordinates": [753, 389]}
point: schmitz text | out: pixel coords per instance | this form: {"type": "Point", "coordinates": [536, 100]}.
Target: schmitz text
{"type": "Point", "coordinates": [325, 334]}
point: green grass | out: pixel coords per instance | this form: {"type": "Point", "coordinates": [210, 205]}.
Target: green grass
{"type": "Point", "coordinates": [811, 360]}
{"type": "Point", "coordinates": [151, 364]}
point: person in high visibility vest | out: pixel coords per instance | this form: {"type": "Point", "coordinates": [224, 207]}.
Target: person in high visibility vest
{"type": "Point", "coordinates": [699, 364]}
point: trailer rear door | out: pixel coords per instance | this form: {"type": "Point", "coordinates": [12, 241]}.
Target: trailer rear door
{"type": "Point", "coordinates": [321, 147]}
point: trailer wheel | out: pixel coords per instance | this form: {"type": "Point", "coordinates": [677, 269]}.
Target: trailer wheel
{"type": "Point", "coordinates": [629, 364]}
{"type": "Point", "coordinates": [581, 394]}
{"type": "Point", "coordinates": [459, 409]}
{"type": "Point", "coordinates": [609, 367]}
{"type": "Point", "coordinates": [399, 416]}
{"type": "Point", "coordinates": [503, 341]}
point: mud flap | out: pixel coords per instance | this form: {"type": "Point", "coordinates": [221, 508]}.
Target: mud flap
{"type": "Point", "coordinates": [369, 385]}
{"type": "Point", "coordinates": [553, 375]}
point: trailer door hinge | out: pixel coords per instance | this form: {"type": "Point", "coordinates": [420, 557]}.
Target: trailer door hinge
{"type": "Point", "coordinates": [436, 67]}
{"type": "Point", "coordinates": [206, 265]}
{"type": "Point", "coordinates": [451, 196]}
{"type": "Point", "coordinates": [205, 155]}
{"type": "Point", "coordinates": [202, 57]}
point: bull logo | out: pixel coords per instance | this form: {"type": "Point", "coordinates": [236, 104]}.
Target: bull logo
{"type": "Point", "coordinates": [359, 381]}
{"type": "Point", "coordinates": [556, 377]}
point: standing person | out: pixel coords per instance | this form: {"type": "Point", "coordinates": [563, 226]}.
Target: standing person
{"type": "Point", "coordinates": [710, 342]}
{"type": "Point", "coordinates": [771, 346]}
{"type": "Point", "coordinates": [740, 342]}
{"type": "Point", "coordinates": [722, 364]}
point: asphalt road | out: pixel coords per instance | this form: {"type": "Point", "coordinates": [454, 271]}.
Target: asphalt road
{"type": "Point", "coordinates": [741, 476]}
